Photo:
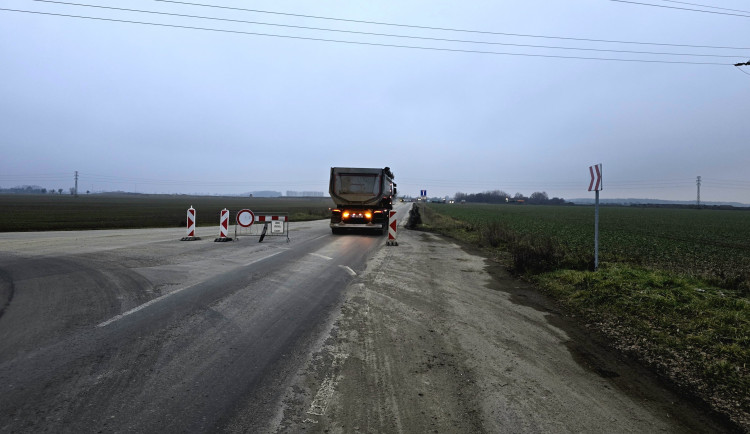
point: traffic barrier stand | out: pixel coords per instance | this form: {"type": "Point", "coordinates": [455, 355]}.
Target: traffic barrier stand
{"type": "Point", "coordinates": [261, 225]}
{"type": "Point", "coordinates": [392, 224]}
{"type": "Point", "coordinates": [190, 226]}
{"type": "Point", "coordinates": [223, 227]}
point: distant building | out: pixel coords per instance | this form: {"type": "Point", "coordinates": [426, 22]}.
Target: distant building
{"type": "Point", "coordinates": [266, 193]}
{"type": "Point", "coordinates": [290, 193]}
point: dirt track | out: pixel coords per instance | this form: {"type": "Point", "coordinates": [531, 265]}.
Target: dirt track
{"type": "Point", "coordinates": [434, 339]}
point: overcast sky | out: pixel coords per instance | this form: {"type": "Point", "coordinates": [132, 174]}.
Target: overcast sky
{"type": "Point", "coordinates": [161, 109]}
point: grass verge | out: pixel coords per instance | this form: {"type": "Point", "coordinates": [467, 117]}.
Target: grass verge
{"type": "Point", "coordinates": [695, 334]}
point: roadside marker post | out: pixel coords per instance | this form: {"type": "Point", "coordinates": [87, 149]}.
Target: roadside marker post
{"type": "Point", "coordinates": [223, 227]}
{"type": "Point", "coordinates": [596, 186]}
{"type": "Point", "coordinates": [392, 225]}
{"type": "Point", "coordinates": [190, 226]}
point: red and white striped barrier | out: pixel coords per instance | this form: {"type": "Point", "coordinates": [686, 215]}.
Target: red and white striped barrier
{"type": "Point", "coordinates": [268, 218]}
{"type": "Point", "coordinates": [392, 225]}
{"type": "Point", "coordinates": [190, 225]}
{"type": "Point", "coordinates": [224, 226]}
{"type": "Point", "coordinates": [261, 225]}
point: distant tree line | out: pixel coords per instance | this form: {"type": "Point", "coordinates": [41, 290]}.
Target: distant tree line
{"type": "Point", "coordinates": [32, 189]}
{"type": "Point", "coordinates": [499, 196]}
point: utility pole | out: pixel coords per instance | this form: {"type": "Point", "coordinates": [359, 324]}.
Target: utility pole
{"type": "Point", "coordinates": [698, 183]}
{"type": "Point", "coordinates": [75, 192]}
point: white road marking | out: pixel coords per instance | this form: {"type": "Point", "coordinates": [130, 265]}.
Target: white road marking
{"type": "Point", "coordinates": [158, 299]}
{"type": "Point", "coordinates": [321, 256]}
{"type": "Point", "coordinates": [348, 270]}
{"type": "Point", "coordinates": [262, 259]}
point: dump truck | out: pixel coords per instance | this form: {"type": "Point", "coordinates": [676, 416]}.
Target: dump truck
{"type": "Point", "coordinates": [363, 197]}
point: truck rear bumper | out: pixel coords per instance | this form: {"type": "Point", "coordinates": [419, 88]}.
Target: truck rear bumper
{"type": "Point", "coordinates": [356, 225]}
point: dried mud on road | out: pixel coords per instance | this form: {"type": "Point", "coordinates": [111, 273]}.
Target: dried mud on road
{"type": "Point", "coordinates": [432, 338]}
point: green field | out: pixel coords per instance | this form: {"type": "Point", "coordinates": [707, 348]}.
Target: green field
{"type": "Point", "coordinates": [65, 212]}
{"type": "Point", "coordinates": [673, 287]}
{"type": "Point", "coordinates": [713, 245]}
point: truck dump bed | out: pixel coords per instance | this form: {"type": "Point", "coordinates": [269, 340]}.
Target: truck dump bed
{"type": "Point", "coordinates": [359, 186]}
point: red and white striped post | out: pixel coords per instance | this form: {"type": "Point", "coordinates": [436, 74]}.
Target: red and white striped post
{"type": "Point", "coordinates": [392, 225]}
{"type": "Point", "coordinates": [190, 225]}
{"type": "Point", "coordinates": [191, 222]}
{"type": "Point", "coordinates": [224, 226]}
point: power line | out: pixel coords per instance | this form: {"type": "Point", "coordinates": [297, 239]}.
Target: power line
{"type": "Point", "coordinates": [373, 44]}
{"type": "Point", "coordinates": [680, 8]}
{"type": "Point", "coordinates": [387, 34]}
{"type": "Point", "coordinates": [728, 182]}
{"type": "Point", "coordinates": [622, 183]}
{"type": "Point", "coordinates": [646, 188]}
{"type": "Point", "coordinates": [721, 187]}
{"type": "Point", "coordinates": [705, 6]}
{"type": "Point", "coordinates": [112, 179]}
{"type": "Point", "coordinates": [32, 178]}
{"type": "Point", "coordinates": [38, 175]}
{"type": "Point", "coordinates": [413, 26]}
{"type": "Point", "coordinates": [552, 184]}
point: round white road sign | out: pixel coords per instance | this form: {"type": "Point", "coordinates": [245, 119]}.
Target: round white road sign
{"type": "Point", "coordinates": [245, 218]}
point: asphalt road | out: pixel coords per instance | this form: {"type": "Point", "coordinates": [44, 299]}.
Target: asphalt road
{"type": "Point", "coordinates": [136, 331]}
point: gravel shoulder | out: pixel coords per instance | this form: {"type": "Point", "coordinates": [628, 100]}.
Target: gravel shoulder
{"type": "Point", "coordinates": [432, 338]}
